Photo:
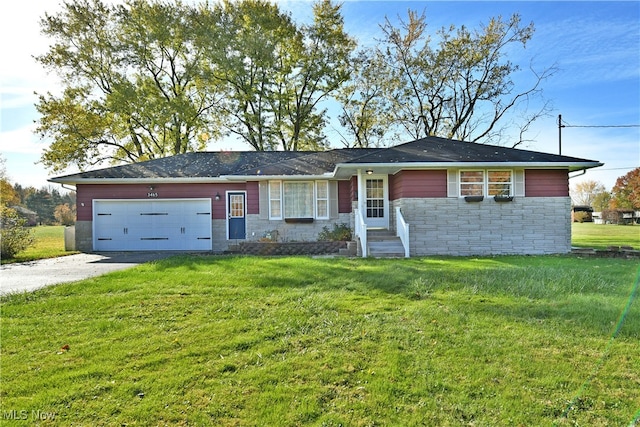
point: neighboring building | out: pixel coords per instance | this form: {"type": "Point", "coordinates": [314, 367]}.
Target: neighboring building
{"type": "Point", "coordinates": [458, 198]}
{"type": "Point", "coordinates": [617, 216]}
{"type": "Point", "coordinates": [581, 214]}
{"type": "Point", "coordinates": [597, 218]}
{"type": "Point", "coordinates": [30, 216]}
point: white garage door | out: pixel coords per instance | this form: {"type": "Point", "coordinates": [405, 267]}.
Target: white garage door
{"type": "Point", "coordinates": [152, 225]}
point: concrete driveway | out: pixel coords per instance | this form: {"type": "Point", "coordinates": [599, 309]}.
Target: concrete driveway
{"type": "Point", "coordinates": [29, 276]}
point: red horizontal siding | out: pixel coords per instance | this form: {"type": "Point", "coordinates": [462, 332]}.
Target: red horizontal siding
{"type": "Point", "coordinates": [546, 183]}
{"type": "Point", "coordinates": [86, 193]}
{"type": "Point", "coordinates": [418, 184]}
{"type": "Point", "coordinates": [344, 196]}
{"type": "Point", "coordinates": [253, 198]}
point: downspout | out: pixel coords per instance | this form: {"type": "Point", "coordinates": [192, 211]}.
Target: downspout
{"type": "Point", "coordinates": [584, 171]}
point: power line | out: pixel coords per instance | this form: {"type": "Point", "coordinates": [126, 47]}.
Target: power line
{"type": "Point", "coordinates": [600, 126]}
{"type": "Point", "coordinates": [563, 124]}
{"type": "Point", "coordinates": [598, 170]}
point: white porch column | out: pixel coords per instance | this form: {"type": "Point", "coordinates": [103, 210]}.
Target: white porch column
{"type": "Point", "coordinates": [361, 194]}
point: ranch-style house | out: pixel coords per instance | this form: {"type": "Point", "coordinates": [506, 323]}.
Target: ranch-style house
{"type": "Point", "coordinates": [438, 196]}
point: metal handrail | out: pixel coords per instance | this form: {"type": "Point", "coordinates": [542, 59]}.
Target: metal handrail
{"type": "Point", "coordinates": [361, 231]}
{"type": "Point", "coordinates": [402, 231]}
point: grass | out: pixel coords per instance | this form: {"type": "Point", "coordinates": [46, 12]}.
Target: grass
{"type": "Point", "coordinates": [49, 243]}
{"type": "Point", "coordinates": [50, 240]}
{"type": "Point", "coordinates": [325, 342]}
{"type": "Point", "coordinates": [601, 236]}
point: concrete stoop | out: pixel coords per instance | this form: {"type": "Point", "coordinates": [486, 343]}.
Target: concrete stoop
{"type": "Point", "coordinates": [384, 244]}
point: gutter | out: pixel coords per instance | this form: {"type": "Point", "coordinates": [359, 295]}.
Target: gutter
{"type": "Point", "coordinates": [571, 166]}
{"type": "Point", "coordinates": [584, 171]}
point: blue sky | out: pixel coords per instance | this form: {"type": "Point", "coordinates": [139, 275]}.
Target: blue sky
{"type": "Point", "coordinates": [596, 46]}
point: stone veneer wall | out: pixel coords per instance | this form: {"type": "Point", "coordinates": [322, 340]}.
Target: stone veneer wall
{"type": "Point", "coordinates": [452, 226]}
{"type": "Point", "coordinates": [290, 232]}
{"type": "Point", "coordinates": [84, 236]}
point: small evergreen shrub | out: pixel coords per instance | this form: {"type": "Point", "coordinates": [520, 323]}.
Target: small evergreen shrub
{"type": "Point", "coordinates": [340, 233]}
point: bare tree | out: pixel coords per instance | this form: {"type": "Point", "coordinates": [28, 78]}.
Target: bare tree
{"type": "Point", "coordinates": [585, 193]}
{"type": "Point", "coordinates": [461, 88]}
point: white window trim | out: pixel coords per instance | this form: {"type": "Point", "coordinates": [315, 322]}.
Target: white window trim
{"type": "Point", "coordinates": [511, 181]}
{"type": "Point", "coordinates": [485, 181]}
{"type": "Point", "coordinates": [279, 199]}
{"type": "Point", "coordinates": [317, 199]}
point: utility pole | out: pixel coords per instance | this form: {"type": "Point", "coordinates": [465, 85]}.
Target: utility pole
{"type": "Point", "coordinates": [560, 126]}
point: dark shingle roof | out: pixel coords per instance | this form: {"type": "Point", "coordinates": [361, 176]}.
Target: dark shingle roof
{"type": "Point", "coordinates": [425, 151]}
{"type": "Point", "coordinates": [440, 150]}
{"type": "Point", "coordinates": [193, 165]}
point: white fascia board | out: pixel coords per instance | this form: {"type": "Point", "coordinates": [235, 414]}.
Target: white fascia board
{"type": "Point", "coordinates": [244, 178]}
{"type": "Point", "coordinates": [572, 166]}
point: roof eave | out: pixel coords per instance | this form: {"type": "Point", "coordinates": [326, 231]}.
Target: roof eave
{"type": "Point", "coordinates": [277, 177]}
{"type": "Point", "coordinates": [571, 166]}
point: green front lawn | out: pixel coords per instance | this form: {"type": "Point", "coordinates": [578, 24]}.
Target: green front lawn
{"type": "Point", "coordinates": [601, 236]}
{"type": "Point", "coordinates": [229, 341]}
{"type": "Point", "coordinates": [49, 240]}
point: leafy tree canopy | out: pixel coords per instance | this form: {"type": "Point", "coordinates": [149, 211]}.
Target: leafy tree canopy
{"type": "Point", "coordinates": [148, 79]}
{"type": "Point", "coordinates": [133, 84]}
{"type": "Point", "coordinates": [144, 80]}
{"type": "Point", "coordinates": [626, 192]}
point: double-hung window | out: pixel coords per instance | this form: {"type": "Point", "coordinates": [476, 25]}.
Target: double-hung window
{"type": "Point", "coordinates": [275, 199]}
{"type": "Point", "coordinates": [322, 199]}
{"type": "Point", "coordinates": [472, 183]}
{"type": "Point", "coordinates": [500, 183]}
{"type": "Point", "coordinates": [486, 183]}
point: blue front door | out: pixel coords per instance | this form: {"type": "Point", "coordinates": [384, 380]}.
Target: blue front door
{"type": "Point", "coordinates": [236, 216]}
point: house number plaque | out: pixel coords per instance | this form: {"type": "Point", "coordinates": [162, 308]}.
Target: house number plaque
{"type": "Point", "coordinates": [152, 195]}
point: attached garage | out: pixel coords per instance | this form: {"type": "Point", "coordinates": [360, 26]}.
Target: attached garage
{"type": "Point", "coordinates": [147, 225]}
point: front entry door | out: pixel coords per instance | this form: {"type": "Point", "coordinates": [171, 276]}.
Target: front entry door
{"type": "Point", "coordinates": [236, 221]}
{"type": "Point", "coordinates": [376, 202]}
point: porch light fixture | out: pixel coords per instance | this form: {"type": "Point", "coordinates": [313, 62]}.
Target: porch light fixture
{"type": "Point", "coordinates": [151, 188]}
{"type": "Point", "coordinates": [369, 171]}
{"type": "Point", "coordinates": [217, 196]}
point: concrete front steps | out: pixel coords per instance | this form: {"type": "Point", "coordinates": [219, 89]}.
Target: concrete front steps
{"type": "Point", "coordinates": [384, 244]}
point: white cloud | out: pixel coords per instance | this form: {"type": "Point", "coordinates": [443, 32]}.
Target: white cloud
{"type": "Point", "coordinates": [591, 46]}
{"type": "Point", "coordinates": [21, 75]}
{"type": "Point", "coordinates": [21, 140]}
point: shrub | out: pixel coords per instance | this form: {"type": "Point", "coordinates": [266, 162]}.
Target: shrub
{"type": "Point", "coordinates": [340, 233]}
{"type": "Point", "coordinates": [64, 214]}
{"type": "Point", "coordinates": [581, 217]}
{"type": "Point", "coordinates": [14, 236]}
